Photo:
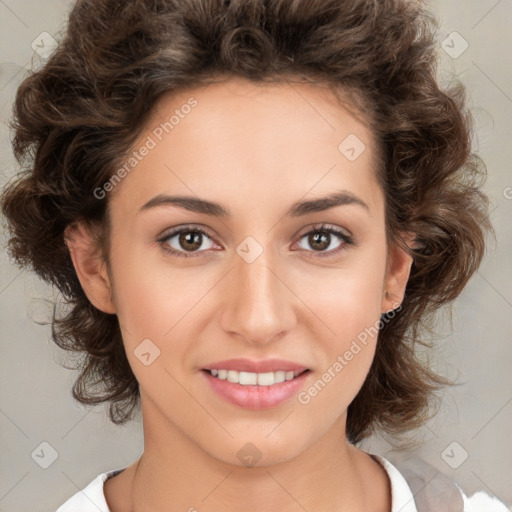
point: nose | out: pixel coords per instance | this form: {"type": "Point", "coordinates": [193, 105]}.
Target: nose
{"type": "Point", "coordinates": [259, 305]}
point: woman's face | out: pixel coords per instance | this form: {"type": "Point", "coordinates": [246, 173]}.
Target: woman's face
{"type": "Point", "coordinates": [263, 281]}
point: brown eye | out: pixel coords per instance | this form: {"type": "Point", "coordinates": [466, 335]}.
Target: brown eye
{"type": "Point", "coordinates": [319, 241]}
{"type": "Point", "coordinates": [322, 240]}
{"type": "Point", "coordinates": [185, 240]}
{"type": "Point", "coordinates": [190, 242]}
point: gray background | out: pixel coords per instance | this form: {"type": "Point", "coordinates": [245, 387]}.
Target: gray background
{"type": "Point", "coordinates": [36, 405]}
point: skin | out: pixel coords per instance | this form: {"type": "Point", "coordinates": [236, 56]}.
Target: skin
{"type": "Point", "coordinates": [256, 149]}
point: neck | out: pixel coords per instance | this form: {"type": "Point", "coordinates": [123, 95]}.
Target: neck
{"type": "Point", "coordinates": [328, 475]}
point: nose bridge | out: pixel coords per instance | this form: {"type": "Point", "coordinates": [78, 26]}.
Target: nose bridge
{"type": "Point", "coordinates": [259, 306]}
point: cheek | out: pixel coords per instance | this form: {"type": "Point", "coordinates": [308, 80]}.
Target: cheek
{"type": "Point", "coordinates": [346, 356]}
{"type": "Point", "coordinates": [155, 311]}
{"type": "Point", "coordinates": [152, 297]}
{"type": "Point", "coordinates": [347, 299]}
{"type": "Point", "coordinates": [161, 304]}
{"type": "Point", "coordinates": [347, 307]}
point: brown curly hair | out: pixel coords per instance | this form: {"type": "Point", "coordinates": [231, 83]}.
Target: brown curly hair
{"type": "Point", "coordinates": [76, 118]}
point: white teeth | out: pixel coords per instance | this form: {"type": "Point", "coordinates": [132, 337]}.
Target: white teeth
{"type": "Point", "coordinates": [247, 378]}
{"type": "Point", "coordinates": [280, 376]}
{"type": "Point", "coordinates": [266, 379]}
{"type": "Point", "coordinates": [251, 379]}
{"type": "Point", "coordinates": [232, 376]}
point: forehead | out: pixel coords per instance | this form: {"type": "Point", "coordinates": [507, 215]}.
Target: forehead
{"type": "Point", "coordinates": [285, 101]}
{"type": "Point", "coordinates": [253, 136]}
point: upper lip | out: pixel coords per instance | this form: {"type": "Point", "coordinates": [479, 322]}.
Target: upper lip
{"type": "Point", "coordinates": [246, 365]}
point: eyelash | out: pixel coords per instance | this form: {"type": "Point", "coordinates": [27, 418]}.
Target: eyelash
{"type": "Point", "coordinates": [347, 240]}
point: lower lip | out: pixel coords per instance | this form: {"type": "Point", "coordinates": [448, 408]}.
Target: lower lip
{"type": "Point", "coordinates": [256, 397]}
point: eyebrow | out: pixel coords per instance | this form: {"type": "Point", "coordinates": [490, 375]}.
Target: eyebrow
{"type": "Point", "coordinates": [197, 205]}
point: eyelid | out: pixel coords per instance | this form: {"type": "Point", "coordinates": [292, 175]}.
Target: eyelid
{"type": "Point", "coordinates": [324, 226]}
{"type": "Point", "coordinates": [186, 227]}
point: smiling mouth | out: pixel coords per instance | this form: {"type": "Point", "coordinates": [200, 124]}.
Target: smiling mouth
{"type": "Point", "coordinates": [254, 379]}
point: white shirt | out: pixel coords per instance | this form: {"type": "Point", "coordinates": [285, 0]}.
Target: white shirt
{"type": "Point", "coordinates": [435, 493]}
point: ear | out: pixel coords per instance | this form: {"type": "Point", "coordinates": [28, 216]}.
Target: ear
{"type": "Point", "coordinates": [90, 266]}
{"type": "Point", "coordinates": [397, 274]}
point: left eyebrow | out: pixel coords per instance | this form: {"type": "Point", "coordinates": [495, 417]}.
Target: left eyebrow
{"type": "Point", "coordinates": [325, 203]}
{"type": "Point", "coordinates": [297, 209]}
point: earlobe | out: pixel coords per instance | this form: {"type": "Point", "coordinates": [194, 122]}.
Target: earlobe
{"type": "Point", "coordinates": [397, 274]}
{"type": "Point", "coordinates": [90, 266]}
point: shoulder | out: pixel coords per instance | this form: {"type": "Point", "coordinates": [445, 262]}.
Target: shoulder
{"type": "Point", "coordinates": [481, 501]}
{"type": "Point", "coordinates": [418, 486]}
{"type": "Point", "coordinates": [91, 498]}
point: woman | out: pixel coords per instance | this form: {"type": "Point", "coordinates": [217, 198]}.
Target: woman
{"type": "Point", "coordinates": [252, 209]}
